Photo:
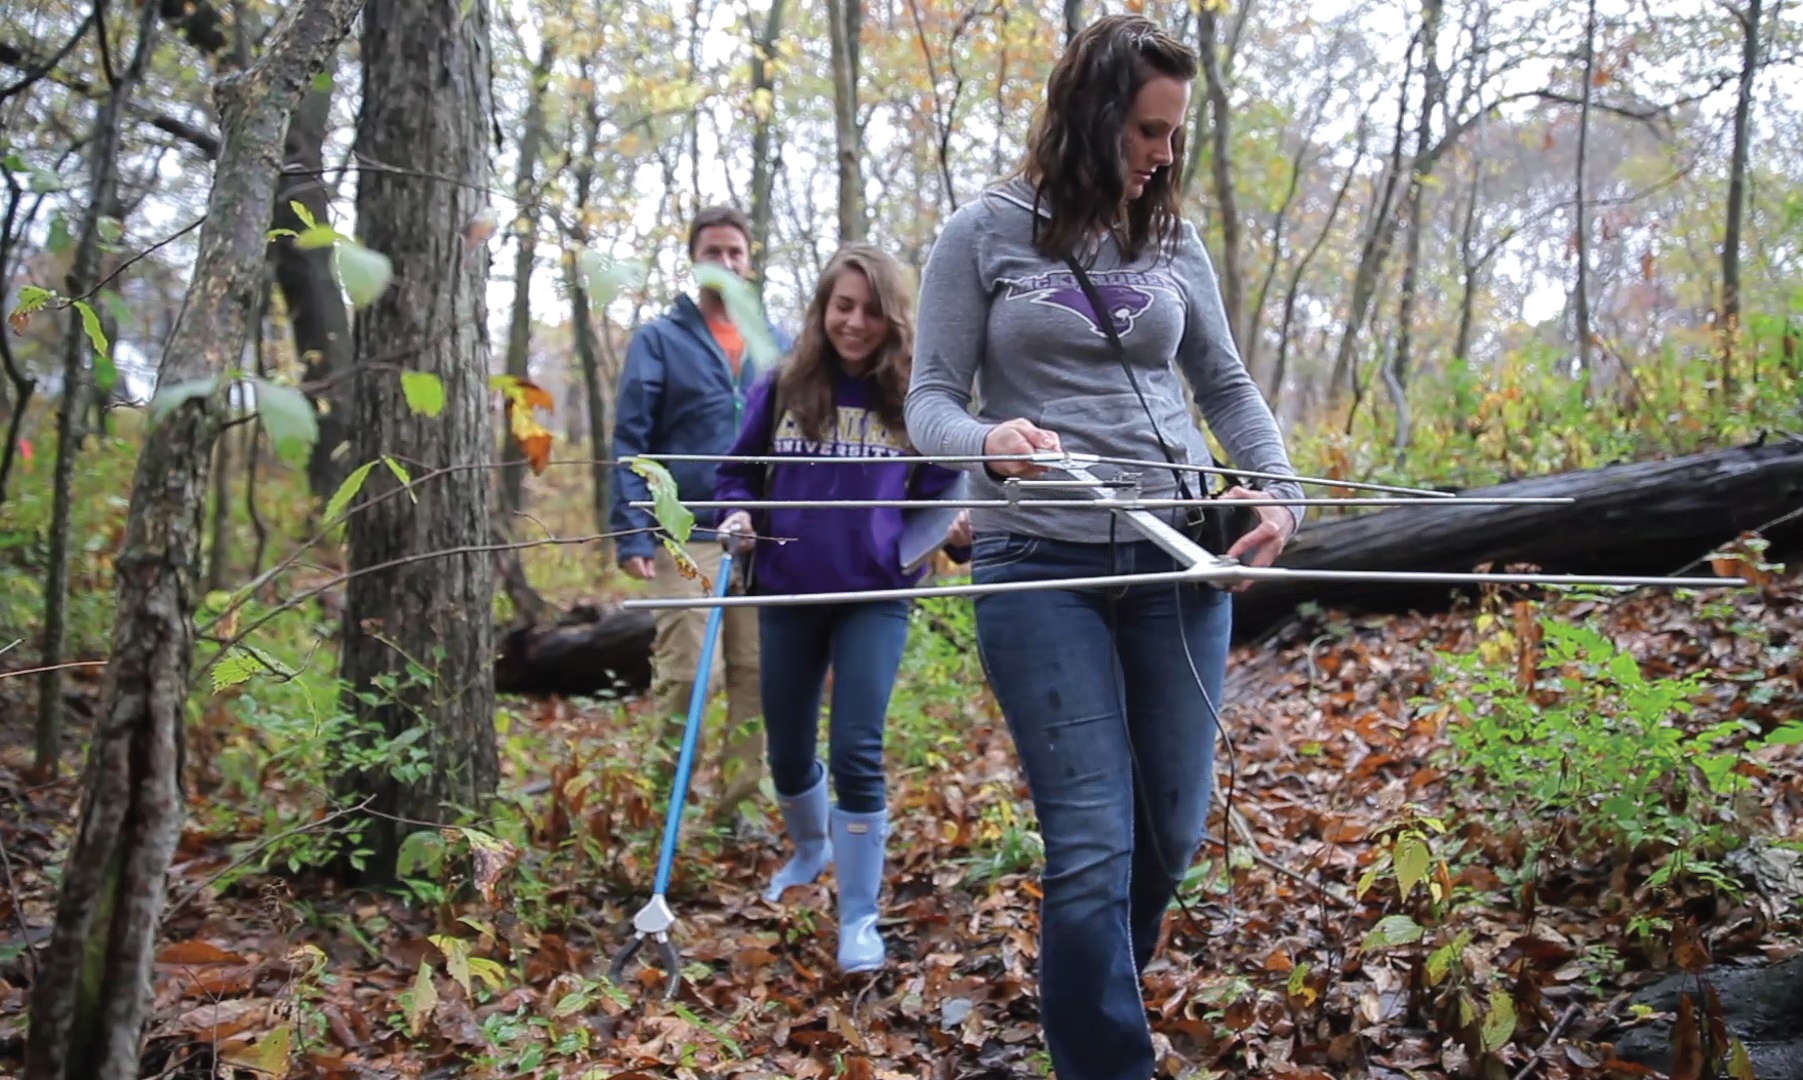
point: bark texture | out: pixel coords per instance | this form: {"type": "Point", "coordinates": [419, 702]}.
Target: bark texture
{"type": "Point", "coordinates": [426, 99]}
{"type": "Point", "coordinates": [93, 991]}
{"type": "Point", "coordinates": [316, 313]}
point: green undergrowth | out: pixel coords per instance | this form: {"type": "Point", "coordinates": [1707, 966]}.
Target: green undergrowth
{"type": "Point", "coordinates": [1523, 417]}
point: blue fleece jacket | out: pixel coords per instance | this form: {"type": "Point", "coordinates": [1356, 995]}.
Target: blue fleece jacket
{"type": "Point", "coordinates": [677, 395]}
{"type": "Point", "coordinates": [828, 550]}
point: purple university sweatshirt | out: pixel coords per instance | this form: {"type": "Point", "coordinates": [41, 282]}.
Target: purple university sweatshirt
{"type": "Point", "coordinates": [828, 550]}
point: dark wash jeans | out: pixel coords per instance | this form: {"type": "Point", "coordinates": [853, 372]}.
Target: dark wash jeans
{"type": "Point", "coordinates": [862, 643]}
{"type": "Point", "coordinates": [1085, 711]}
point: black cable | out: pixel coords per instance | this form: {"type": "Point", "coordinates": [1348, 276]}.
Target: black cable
{"type": "Point", "coordinates": [1113, 619]}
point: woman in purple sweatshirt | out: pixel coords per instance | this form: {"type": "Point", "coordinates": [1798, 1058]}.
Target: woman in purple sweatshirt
{"type": "Point", "coordinates": [838, 394]}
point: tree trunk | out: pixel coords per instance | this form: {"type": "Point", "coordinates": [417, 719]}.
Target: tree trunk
{"type": "Point", "coordinates": [519, 327]}
{"type": "Point", "coordinates": [1073, 19]}
{"type": "Point", "coordinates": [846, 19]}
{"type": "Point", "coordinates": [426, 622]}
{"type": "Point", "coordinates": [1380, 231]}
{"type": "Point", "coordinates": [1233, 287]}
{"type": "Point", "coordinates": [766, 150]}
{"type": "Point", "coordinates": [582, 322]}
{"type": "Point", "coordinates": [219, 545]}
{"type": "Point", "coordinates": [1469, 266]}
{"type": "Point", "coordinates": [1397, 373]}
{"type": "Point", "coordinates": [1729, 324]}
{"type": "Point", "coordinates": [1582, 209]}
{"type": "Point", "coordinates": [93, 989]}
{"type": "Point", "coordinates": [1648, 517]}
{"type": "Point", "coordinates": [84, 271]}
{"type": "Point", "coordinates": [1280, 366]}
{"type": "Point", "coordinates": [316, 313]}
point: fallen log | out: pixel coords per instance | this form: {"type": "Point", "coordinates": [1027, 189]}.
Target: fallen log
{"type": "Point", "coordinates": [1761, 1006]}
{"type": "Point", "coordinates": [590, 651]}
{"type": "Point", "coordinates": [1649, 517]}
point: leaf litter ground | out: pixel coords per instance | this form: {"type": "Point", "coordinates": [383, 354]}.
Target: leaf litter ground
{"type": "Point", "coordinates": [1267, 970]}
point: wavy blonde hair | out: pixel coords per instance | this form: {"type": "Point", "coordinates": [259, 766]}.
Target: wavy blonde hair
{"type": "Point", "coordinates": [805, 383]}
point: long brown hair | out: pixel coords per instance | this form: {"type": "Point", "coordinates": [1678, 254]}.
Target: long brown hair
{"type": "Point", "coordinates": [1074, 152]}
{"type": "Point", "coordinates": [805, 384]}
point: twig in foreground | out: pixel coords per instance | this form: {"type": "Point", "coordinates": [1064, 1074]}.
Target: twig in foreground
{"type": "Point", "coordinates": [53, 667]}
{"type": "Point", "coordinates": [1571, 1011]}
{"type": "Point", "coordinates": [12, 888]}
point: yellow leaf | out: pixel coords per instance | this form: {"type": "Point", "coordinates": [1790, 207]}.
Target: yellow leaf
{"type": "Point", "coordinates": [268, 1056]}
{"type": "Point", "coordinates": [420, 999]}
{"type": "Point", "coordinates": [456, 959]}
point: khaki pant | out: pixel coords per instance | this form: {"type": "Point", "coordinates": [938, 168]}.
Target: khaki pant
{"type": "Point", "coordinates": [676, 654]}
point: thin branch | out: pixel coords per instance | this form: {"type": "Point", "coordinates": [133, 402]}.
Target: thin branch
{"type": "Point", "coordinates": [12, 888]}
{"type": "Point", "coordinates": [151, 250]}
{"type": "Point", "coordinates": [33, 74]}
{"type": "Point", "coordinates": [264, 845]}
{"type": "Point", "coordinates": [54, 667]}
{"type": "Point", "coordinates": [333, 582]}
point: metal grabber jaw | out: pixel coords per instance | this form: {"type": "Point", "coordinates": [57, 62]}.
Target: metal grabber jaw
{"type": "Point", "coordinates": [652, 922]}
{"type": "Point", "coordinates": [655, 920]}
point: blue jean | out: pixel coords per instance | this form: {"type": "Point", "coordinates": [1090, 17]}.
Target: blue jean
{"type": "Point", "coordinates": [862, 643]}
{"type": "Point", "coordinates": [1117, 742]}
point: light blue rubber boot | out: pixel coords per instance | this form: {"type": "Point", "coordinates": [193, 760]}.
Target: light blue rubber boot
{"type": "Point", "coordinates": [858, 843]}
{"type": "Point", "coordinates": [805, 823]}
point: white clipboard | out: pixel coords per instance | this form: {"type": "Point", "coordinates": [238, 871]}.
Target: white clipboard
{"type": "Point", "coordinates": [923, 530]}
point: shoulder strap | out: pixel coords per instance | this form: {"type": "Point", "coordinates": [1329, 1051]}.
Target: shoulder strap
{"type": "Point", "coordinates": [1106, 319]}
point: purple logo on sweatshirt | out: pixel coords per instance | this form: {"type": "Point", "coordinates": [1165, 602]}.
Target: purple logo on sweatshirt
{"type": "Point", "coordinates": [1125, 293]}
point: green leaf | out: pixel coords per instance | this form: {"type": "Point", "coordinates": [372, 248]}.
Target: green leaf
{"type": "Point", "coordinates": [401, 474]}
{"type": "Point", "coordinates": [347, 491]}
{"type": "Point", "coordinates": [362, 272]}
{"type": "Point", "coordinates": [42, 181]}
{"type": "Point", "coordinates": [745, 311]}
{"type": "Point", "coordinates": [169, 397]}
{"type": "Point", "coordinates": [105, 374]}
{"type": "Point", "coordinates": [288, 417]}
{"type": "Point", "coordinates": [1499, 1022]}
{"type": "Point", "coordinates": [322, 82]}
{"type": "Point", "coordinates": [1439, 962]}
{"type": "Point", "coordinates": [604, 278]}
{"type": "Point", "coordinates": [316, 236]}
{"type": "Point", "coordinates": [115, 305]}
{"type": "Point", "coordinates": [1788, 734]}
{"type": "Point", "coordinates": [302, 214]}
{"type": "Point", "coordinates": [424, 392]}
{"type": "Point", "coordinates": [59, 238]}
{"type": "Point", "coordinates": [233, 668]}
{"type": "Point", "coordinates": [572, 1002]}
{"type": "Point", "coordinates": [109, 228]}
{"type": "Point", "coordinates": [1412, 858]}
{"type": "Point", "coordinates": [667, 508]}
{"type": "Point", "coordinates": [1392, 930]}
{"type": "Point", "coordinates": [32, 298]}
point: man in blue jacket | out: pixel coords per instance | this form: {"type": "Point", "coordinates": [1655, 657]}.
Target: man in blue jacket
{"type": "Point", "coordinates": [682, 391]}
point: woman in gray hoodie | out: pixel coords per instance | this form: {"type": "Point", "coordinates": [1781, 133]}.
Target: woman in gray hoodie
{"type": "Point", "coordinates": [1110, 695]}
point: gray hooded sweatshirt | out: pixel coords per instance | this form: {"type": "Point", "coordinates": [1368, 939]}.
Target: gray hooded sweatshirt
{"type": "Point", "coordinates": [998, 317]}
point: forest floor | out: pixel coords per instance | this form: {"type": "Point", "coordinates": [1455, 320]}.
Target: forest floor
{"type": "Point", "coordinates": [1500, 902]}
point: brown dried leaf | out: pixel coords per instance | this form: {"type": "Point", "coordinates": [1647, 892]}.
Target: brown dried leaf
{"type": "Point", "coordinates": [196, 954]}
{"type": "Point", "coordinates": [1687, 1043]}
